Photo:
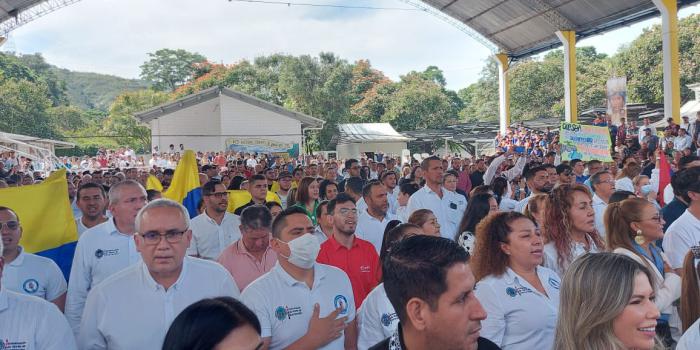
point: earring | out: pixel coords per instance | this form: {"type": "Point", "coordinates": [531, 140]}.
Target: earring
{"type": "Point", "coordinates": [639, 238]}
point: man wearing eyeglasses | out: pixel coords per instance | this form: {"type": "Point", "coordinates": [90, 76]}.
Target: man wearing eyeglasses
{"type": "Point", "coordinates": [603, 186]}
{"type": "Point", "coordinates": [133, 309]}
{"type": "Point", "coordinates": [215, 228]}
{"type": "Point", "coordinates": [27, 322]}
{"type": "Point", "coordinates": [106, 248]}
{"type": "Point", "coordinates": [27, 273]}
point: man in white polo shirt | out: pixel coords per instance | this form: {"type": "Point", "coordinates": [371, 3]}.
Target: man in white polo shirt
{"type": "Point", "coordinates": [372, 221]}
{"type": "Point", "coordinates": [133, 308]}
{"type": "Point", "coordinates": [28, 273]}
{"type": "Point", "coordinates": [302, 304]}
{"type": "Point", "coordinates": [214, 229]}
{"type": "Point", "coordinates": [447, 206]}
{"type": "Point", "coordinates": [30, 323]}
{"type": "Point", "coordinates": [685, 231]}
{"type": "Point", "coordinates": [106, 248]}
{"type": "Point", "coordinates": [91, 199]}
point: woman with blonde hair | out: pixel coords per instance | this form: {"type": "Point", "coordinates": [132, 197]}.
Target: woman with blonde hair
{"type": "Point", "coordinates": [632, 227]}
{"type": "Point", "coordinates": [534, 209]}
{"type": "Point", "coordinates": [570, 229]}
{"type": "Point", "coordinates": [607, 302]}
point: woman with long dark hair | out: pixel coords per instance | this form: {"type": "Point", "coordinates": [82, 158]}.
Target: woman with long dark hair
{"type": "Point", "coordinates": [479, 207]}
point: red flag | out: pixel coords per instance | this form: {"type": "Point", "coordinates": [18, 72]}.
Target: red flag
{"type": "Point", "coordinates": [664, 176]}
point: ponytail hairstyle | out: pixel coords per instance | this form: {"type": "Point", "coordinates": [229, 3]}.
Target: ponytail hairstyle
{"type": "Point", "coordinates": [690, 288]}
{"type": "Point", "coordinates": [618, 232]}
{"type": "Point", "coordinates": [499, 185]}
{"type": "Point", "coordinates": [559, 223]}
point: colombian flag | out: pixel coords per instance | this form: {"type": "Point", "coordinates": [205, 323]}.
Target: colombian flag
{"type": "Point", "coordinates": [48, 226]}
{"type": "Point", "coordinates": [185, 187]}
{"type": "Point", "coordinates": [152, 183]}
{"type": "Point", "coordinates": [239, 198]}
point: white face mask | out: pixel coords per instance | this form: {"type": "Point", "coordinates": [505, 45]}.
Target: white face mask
{"type": "Point", "coordinates": [303, 251]}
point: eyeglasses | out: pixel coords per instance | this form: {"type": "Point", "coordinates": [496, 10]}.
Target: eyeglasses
{"type": "Point", "coordinates": [11, 225]}
{"type": "Point", "coordinates": [153, 237]}
{"type": "Point", "coordinates": [218, 195]}
{"type": "Point", "coordinates": [346, 211]}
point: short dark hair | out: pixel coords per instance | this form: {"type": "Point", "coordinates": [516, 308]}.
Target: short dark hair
{"type": "Point", "coordinates": [367, 189]}
{"type": "Point", "coordinates": [531, 172]}
{"type": "Point", "coordinates": [354, 184]}
{"type": "Point", "coordinates": [324, 186]}
{"type": "Point", "coordinates": [689, 180]}
{"type": "Point", "coordinates": [256, 217]}
{"type": "Point", "coordinates": [387, 173]}
{"type": "Point", "coordinates": [561, 168]}
{"type": "Point", "coordinates": [90, 185]}
{"type": "Point", "coordinates": [573, 162]}
{"type": "Point", "coordinates": [595, 178]}
{"type": "Point", "coordinates": [168, 172]}
{"type": "Point", "coordinates": [339, 199]}
{"type": "Point", "coordinates": [151, 194]}
{"type": "Point", "coordinates": [204, 324]}
{"type": "Point", "coordinates": [321, 207]}
{"type": "Point", "coordinates": [685, 160]}
{"type": "Point", "coordinates": [257, 177]}
{"type": "Point", "coordinates": [281, 219]}
{"type": "Point", "coordinates": [350, 162]}
{"type": "Point", "coordinates": [210, 187]}
{"type": "Point", "coordinates": [619, 196]}
{"type": "Point", "coordinates": [409, 188]}
{"type": "Point", "coordinates": [416, 267]}
{"type": "Point", "coordinates": [426, 161]}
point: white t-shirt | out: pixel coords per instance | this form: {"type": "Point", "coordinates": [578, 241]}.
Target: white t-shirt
{"type": "Point", "coordinates": [371, 229]}
{"type": "Point", "coordinates": [691, 338]}
{"type": "Point", "coordinates": [402, 214]}
{"type": "Point", "coordinates": [519, 316]}
{"type": "Point", "coordinates": [209, 239]}
{"type": "Point", "coordinates": [284, 305]}
{"type": "Point", "coordinates": [130, 310]}
{"type": "Point", "coordinates": [507, 204]}
{"type": "Point", "coordinates": [449, 209]}
{"type": "Point", "coordinates": [101, 252]}
{"type": "Point", "coordinates": [34, 275]}
{"type": "Point", "coordinates": [680, 236]}
{"type": "Point", "coordinates": [599, 207]}
{"type": "Point", "coordinates": [376, 319]}
{"type": "Point", "coordinates": [577, 249]}
{"type": "Point", "coordinates": [30, 323]}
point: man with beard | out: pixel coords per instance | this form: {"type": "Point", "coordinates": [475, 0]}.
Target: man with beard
{"type": "Point", "coordinates": [390, 181]}
{"type": "Point", "coordinates": [285, 182]}
{"type": "Point", "coordinates": [373, 219]}
{"type": "Point", "coordinates": [92, 200]}
{"type": "Point", "coordinates": [349, 253]}
{"type": "Point", "coordinates": [214, 229]}
{"type": "Point", "coordinates": [537, 179]}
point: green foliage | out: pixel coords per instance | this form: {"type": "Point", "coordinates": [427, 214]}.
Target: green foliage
{"type": "Point", "coordinates": [23, 108]}
{"type": "Point", "coordinates": [95, 91]}
{"type": "Point", "coordinates": [122, 124]}
{"type": "Point", "coordinates": [167, 69]}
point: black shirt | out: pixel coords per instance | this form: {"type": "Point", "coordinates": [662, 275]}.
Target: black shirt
{"type": "Point", "coordinates": [395, 342]}
{"type": "Point", "coordinates": [239, 210]}
{"type": "Point", "coordinates": [477, 178]}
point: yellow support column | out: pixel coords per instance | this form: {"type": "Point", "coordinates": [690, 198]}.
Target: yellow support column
{"type": "Point", "coordinates": [669, 34]}
{"type": "Point", "coordinates": [503, 92]}
{"type": "Point", "coordinates": [568, 39]}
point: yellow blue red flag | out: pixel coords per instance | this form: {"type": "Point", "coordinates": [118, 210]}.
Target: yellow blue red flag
{"type": "Point", "coordinates": [48, 226]}
{"type": "Point", "coordinates": [185, 187]}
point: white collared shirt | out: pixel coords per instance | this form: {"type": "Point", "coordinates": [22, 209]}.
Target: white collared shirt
{"type": "Point", "coordinates": [449, 209]}
{"type": "Point", "coordinates": [680, 236]}
{"type": "Point", "coordinates": [599, 207]}
{"type": "Point", "coordinates": [30, 323]}
{"type": "Point", "coordinates": [130, 310]}
{"type": "Point", "coordinates": [691, 337]}
{"type": "Point", "coordinates": [376, 318]}
{"type": "Point", "coordinates": [318, 233]}
{"type": "Point", "coordinates": [519, 316]}
{"type": "Point", "coordinates": [371, 229]}
{"type": "Point", "coordinates": [101, 252]}
{"type": "Point", "coordinates": [402, 214]}
{"type": "Point", "coordinates": [577, 249]}
{"type": "Point", "coordinates": [34, 275]}
{"type": "Point", "coordinates": [209, 239]}
{"type": "Point", "coordinates": [81, 227]}
{"type": "Point", "coordinates": [393, 199]}
{"type": "Point", "coordinates": [284, 305]}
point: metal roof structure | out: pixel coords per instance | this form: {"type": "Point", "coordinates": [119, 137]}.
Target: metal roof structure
{"type": "Point", "coordinates": [14, 13]}
{"type": "Point", "coordinates": [214, 92]}
{"type": "Point", "coordinates": [367, 132]}
{"type": "Point", "coordinates": [521, 28]}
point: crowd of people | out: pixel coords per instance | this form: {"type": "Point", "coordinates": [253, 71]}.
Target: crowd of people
{"type": "Point", "coordinates": [520, 250]}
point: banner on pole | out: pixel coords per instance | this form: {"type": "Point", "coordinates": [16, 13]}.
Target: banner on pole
{"type": "Point", "coordinates": [616, 89]}
{"type": "Point", "coordinates": [585, 142]}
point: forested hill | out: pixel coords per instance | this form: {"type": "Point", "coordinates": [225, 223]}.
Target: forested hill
{"type": "Point", "coordinates": [93, 90]}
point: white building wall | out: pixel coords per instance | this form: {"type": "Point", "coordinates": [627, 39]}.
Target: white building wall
{"type": "Point", "coordinates": [353, 150]}
{"type": "Point", "coordinates": [187, 126]}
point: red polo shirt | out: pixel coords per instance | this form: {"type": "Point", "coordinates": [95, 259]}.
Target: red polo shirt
{"type": "Point", "coordinates": [360, 263]}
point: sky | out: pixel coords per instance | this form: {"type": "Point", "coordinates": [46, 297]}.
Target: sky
{"type": "Point", "coordinates": [114, 36]}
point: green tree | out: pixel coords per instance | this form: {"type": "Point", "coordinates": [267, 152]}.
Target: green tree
{"type": "Point", "coordinates": [23, 108]}
{"type": "Point", "coordinates": [419, 103]}
{"type": "Point", "coordinates": [122, 124]}
{"type": "Point", "coordinates": [167, 69]}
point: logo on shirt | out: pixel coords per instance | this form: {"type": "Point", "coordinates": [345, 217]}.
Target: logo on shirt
{"type": "Point", "coordinates": [388, 319]}
{"type": "Point", "coordinates": [13, 345]}
{"type": "Point", "coordinates": [282, 312]}
{"type": "Point", "coordinates": [365, 269]}
{"type": "Point", "coordinates": [554, 283]}
{"type": "Point", "coordinates": [106, 252]}
{"type": "Point", "coordinates": [30, 286]}
{"type": "Point", "coordinates": [514, 292]}
{"type": "Point", "coordinates": [341, 302]}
